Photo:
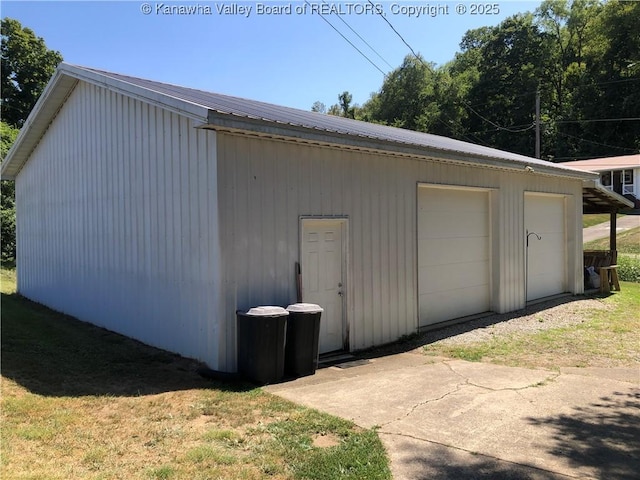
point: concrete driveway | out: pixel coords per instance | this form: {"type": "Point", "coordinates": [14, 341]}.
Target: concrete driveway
{"type": "Point", "coordinates": [451, 419]}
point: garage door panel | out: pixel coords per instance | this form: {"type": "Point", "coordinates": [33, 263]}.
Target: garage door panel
{"type": "Point", "coordinates": [444, 251]}
{"type": "Point", "coordinates": [453, 253]}
{"type": "Point", "coordinates": [442, 306]}
{"type": "Point", "coordinates": [441, 278]}
{"type": "Point", "coordinates": [452, 224]}
{"type": "Point", "coordinates": [546, 257]}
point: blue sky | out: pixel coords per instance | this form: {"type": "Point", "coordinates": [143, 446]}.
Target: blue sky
{"type": "Point", "coordinates": [289, 59]}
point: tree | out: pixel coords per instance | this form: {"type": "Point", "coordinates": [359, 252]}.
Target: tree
{"type": "Point", "coordinates": [405, 96]}
{"type": "Point", "coordinates": [27, 65]}
{"type": "Point", "coordinates": [318, 107]}
{"type": "Point", "coordinates": [509, 62]}
{"type": "Point", "coordinates": [8, 135]}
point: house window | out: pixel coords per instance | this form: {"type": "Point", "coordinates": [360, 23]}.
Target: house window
{"type": "Point", "coordinates": [605, 178]}
{"type": "Point", "coordinates": [627, 181]}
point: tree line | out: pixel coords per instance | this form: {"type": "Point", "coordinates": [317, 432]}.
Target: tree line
{"type": "Point", "coordinates": [26, 65]}
{"type": "Point", "coordinates": [581, 57]}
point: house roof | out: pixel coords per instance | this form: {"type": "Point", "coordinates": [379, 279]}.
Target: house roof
{"type": "Point", "coordinates": [607, 163]}
{"type": "Point", "coordinates": [223, 112]}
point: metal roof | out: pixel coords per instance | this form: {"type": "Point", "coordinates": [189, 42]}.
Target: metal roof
{"type": "Point", "coordinates": [219, 111]}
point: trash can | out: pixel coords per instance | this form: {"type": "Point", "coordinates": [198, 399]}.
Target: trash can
{"type": "Point", "coordinates": [303, 333]}
{"type": "Point", "coordinates": [261, 339]}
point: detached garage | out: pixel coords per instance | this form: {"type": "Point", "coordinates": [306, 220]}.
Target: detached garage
{"type": "Point", "coordinates": [157, 211]}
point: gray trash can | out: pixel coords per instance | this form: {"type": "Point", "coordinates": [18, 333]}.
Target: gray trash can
{"type": "Point", "coordinates": [261, 339]}
{"type": "Point", "coordinates": [303, 334]}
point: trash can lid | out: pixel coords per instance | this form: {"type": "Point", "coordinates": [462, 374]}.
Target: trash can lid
{"type": "Point", "coordinates": [267, 311]}
{"type": "Point", "coordinates": [305, 308]}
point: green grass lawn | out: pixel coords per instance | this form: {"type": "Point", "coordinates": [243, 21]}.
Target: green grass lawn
{"type": "Point", "coordinates": [589, 220]}
{"type": "Point", "coordinates": [626, 242]}
{"type": "Point", "coordinates": [608, 337]}
{"type": "Point", "coordinates": [79, 402]}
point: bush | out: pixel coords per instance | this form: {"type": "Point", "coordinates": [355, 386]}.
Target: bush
{"type": "Point", "coordinates": [629, 268]}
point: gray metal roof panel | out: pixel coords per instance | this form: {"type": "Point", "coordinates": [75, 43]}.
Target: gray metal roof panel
{"type": "Point", "coordinates": [196, 102]}
{"type": "Point", "coordinates": [267, 112]}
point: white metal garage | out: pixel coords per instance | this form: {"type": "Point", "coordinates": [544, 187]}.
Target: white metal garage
{"type": "Point", "coordinates": [544, 217]}
{"type": "Point", "coordinates": [167, 209]}
{"type": "Point", "coordinates": [454, 253]}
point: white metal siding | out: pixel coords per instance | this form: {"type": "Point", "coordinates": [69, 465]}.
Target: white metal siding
{"type": "Point", "coordinates": [118, 225]}
{"type": "Point", "coordinates": [117, 222]}
{"type": "Point", "coordinates": [266, 185]}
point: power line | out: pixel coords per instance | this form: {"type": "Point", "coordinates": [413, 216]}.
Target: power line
{"type": "Point", "coordinates": [499, 127]}
{"type": "Point", "coordinates": [349, 42]}
{"type": "Point", "coordinates": [596, 143]}
{"type": "Point", "coordinates": [360, 37]}
{"type": "Point", "coordinates": [381, 15]}
{"type": "Point", "coordinates": [627, 119]}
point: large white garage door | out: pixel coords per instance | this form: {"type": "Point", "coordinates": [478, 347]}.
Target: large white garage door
{"type": "Point", "coordinates": [546, 262]}
{"type": "Point", "coordinates": [453, 253]}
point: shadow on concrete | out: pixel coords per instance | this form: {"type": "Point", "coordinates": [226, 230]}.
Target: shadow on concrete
{"type": "Point", "coordinates": [52, 354]}
{"type": "Point", "coordinates": [443, 463]}
{"type": "Point", "coordinates": [604, 436]}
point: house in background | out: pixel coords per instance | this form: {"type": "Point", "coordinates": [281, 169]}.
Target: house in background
{"type": "Point", "coordinates": [157, 211]}
{"type": "Point", "coordinates": [617, 174]}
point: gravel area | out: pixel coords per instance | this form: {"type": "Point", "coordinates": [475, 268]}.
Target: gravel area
{"type": "Point", "coordinates": [559, 312]}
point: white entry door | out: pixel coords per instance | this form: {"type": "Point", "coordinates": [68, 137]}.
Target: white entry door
{"type": "Point", "coordinates": [454, 253]}
{"type": "Point", "coordinates": [546, 261]}
{"type": "Point", "coordinates": [323, 278]}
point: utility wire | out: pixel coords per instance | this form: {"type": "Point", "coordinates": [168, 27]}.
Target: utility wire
{"type": "Point", "coordinates": [627, 119]}
{"type": "Point", "coordinates": [381, 15]}
{"type": "Point", "coordinates": [349, 42]}
{"type": "Point", "coordinates": [360, 37]}
{"type": "Point", "coordinates": [499, 127]}
{"type": "Point", "coordinates": [596, 143]}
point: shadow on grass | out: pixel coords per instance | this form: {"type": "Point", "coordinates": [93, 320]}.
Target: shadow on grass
{"type": "Point", "coordinates": [604, 436]}
{"type": "Point", "coordinates": [53, 354]}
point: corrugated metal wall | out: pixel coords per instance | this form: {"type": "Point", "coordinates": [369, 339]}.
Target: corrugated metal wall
{"type": "Point", "coordinates": [267, 185]}
{"type": "Point", "coordinates": [118, 211]}
{"type": "Point", "coordinates": [117, 222]}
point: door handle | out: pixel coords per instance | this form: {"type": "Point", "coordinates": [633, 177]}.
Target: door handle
{"type": "Point", "coordinates": [340, 292]}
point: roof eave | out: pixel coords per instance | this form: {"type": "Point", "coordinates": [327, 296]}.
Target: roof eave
{"type": "Point", "coordinates": [225, 121]}
{"type": "Point", "coordinates": [58, 90]}
{"type": "Point", "coordinates": [44, 111]}
{"type": "Point", "coordinates": [605, 200]}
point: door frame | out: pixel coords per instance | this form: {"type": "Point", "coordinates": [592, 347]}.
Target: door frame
{"type": "Point", "coordinates": [343, 220]}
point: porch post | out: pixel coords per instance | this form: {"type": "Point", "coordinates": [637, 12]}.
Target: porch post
{"type": "Point", "coordinates": [612, 230]}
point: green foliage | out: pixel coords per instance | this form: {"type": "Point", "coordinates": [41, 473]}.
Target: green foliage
{"type": "Point", "coordinates": [8, 135]}
{"type": "Point", "coordinates": [27, 65]}
{"type": "Point", "coordinates": [629, 268]}
{"type": "Point", "coordinates": [582, 55]}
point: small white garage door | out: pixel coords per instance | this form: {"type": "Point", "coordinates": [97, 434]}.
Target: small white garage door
{"type": "Point", "coordinates": [546, 261]}
{"type": "Point", "coordinates": [453, 253]}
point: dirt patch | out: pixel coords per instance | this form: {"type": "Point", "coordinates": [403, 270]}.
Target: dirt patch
{"type": "Point", "coordinates": [325, 440]}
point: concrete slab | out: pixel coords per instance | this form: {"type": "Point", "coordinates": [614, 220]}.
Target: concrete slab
{"type": "Point", "coordinates": [442, 419]}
